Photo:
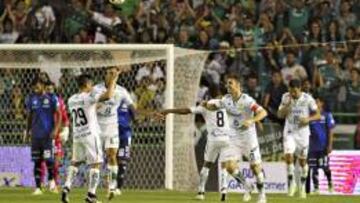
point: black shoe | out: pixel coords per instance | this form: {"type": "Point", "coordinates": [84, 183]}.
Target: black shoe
{"type": "Point", "coordinates": [111, 195]}
{"type": "Point", "coordinates": [65, 195]}
{"type": "Point", "coordinates": [223, 197]}
{"type": "Point", "coordinates": [91, 198]}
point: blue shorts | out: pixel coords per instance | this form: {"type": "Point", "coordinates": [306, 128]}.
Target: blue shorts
{"type": "Point", "coordinates": [318, 159]}
{"type": "Point", "coordinates": [125, 143]}
{"type": "Point", "coordinates": [42, 149]}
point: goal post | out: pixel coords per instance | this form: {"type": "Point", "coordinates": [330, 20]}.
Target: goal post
{"type": "Point", "coordinates": [167, 146]}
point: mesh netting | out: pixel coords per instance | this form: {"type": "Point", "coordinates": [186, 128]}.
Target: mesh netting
{"type": "Point", "coordinates": [146, 82]}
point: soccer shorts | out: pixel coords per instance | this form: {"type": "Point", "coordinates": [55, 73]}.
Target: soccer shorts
{"type": "Point", "coordinates": [245, 146]}
{"type": "Point", "coordinates": [42, 149]}
{"type": "Point", "coordinates": [213, 149]}
{"type": "Point", "coordinates": [296, 144]}
{"type": "Point", "coordinates": [110, 136]}
{"type": "Point", "coordinates": [125, 143]}
{"type": "Point", "coordinates": [88, 151]}
{"type": "Point", "coordinates": [318, 159]}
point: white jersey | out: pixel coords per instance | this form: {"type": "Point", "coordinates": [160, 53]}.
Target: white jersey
{"type": "Point", "coordinates": [82, 107]}
{"type": "Point", "coordinates": [107, 110]}
{"type": "Point", "coordinates": [239, 111]}
{"type": "Point", "coordinates": [300, 108]}
{"type": "Point", "coordinates": [217, 122]}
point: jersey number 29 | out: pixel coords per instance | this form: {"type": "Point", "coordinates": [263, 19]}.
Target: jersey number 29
{"type": "Point", "coordinates": [79, 117]}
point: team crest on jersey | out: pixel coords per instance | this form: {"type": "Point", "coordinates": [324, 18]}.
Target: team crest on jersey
{"type": "Point", "coordinates": [46, 101]}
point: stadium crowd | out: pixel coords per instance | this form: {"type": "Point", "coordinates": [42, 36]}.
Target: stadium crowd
{"type": "Point", "coordinates": [267, 42]}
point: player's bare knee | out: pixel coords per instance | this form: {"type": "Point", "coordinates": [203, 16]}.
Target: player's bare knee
{"type": "Point", "coordinates": [95, 165]}
{"type": "Point", "coordinates": [302, 162]}
{"type": "Point", "coordinates": [288, 158]}
{"type": "Point", "coordinates": [256, 168]}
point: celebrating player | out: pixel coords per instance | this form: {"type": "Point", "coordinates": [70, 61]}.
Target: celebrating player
{"type": "Point", "coordinates": [108, 121]}
{"type": "Point", "coordinates": [243, 113]}
{"type": "Point", "coordinates": [86, 130]}
{"type": "Point", "coordinates": [42, 125]}
{"type": "Point", "coordinates": [321, 140]}
{"type": "Point", "coordinates": [298, 109]}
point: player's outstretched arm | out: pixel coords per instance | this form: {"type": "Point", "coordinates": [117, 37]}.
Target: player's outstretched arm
{"type": "Point", "coordinates": [182, 111]}
{"type": "Point", "coordinates": [209, 106]}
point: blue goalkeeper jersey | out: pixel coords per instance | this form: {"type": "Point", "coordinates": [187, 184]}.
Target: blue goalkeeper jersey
{"type": "Point", "coordinates": [319, 132]}
{"type": "Point", "coordinates": [42, 109]}
{"type": "Point", "coordinates": [125, 116]}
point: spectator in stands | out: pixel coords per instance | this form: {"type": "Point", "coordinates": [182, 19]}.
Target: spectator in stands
{"type": "Point", "coordinates": [357, 131]}
{"type": "Point", "coordinates": [353, 90]}
{"type": "Point", "coordinates": [239, 59]}
{"type": "Point", "coordinates": [273, 94]}
{"type": "Point", "coordinates": [252, 88]}
{"type": "Point", "coordinates": [17, 103]}
{"type": "Point", "coordinates": [327, 77]}
{"type": "Point", "coordinates": [75, 19]}
{"type": "Point", "coordinates": [183, 39]}
{"type": "Point", "coordinates": [298, 17]}
{"type": "Point", "coordinates": [8, 32]}
{"type": "Point", "coordinates": [293, 70]}
{"type": "Point", "coordinates": [346, 18]}
{"type": "Point", "coordinates": [334, 37]}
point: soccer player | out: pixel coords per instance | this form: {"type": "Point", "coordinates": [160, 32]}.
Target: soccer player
{"type": "Point", "coordinates": [86, 133]}
{"type": "Point", "coordinates": [321, 140]}
{"type": "Point", "coordinates": [298, 109]}
{"type": "Point", "coordinates": [108, 121]}
{"type": "Point", "coordinates": [218, 141]}
{"type": "Point", "coordinates": [60, 136]}
{"type": "Point", "coordinates": [243, 112]}
{"type": "Point", "coordinates": [126, 113]}
{"type": "Point", "coordinates": [42, 125]}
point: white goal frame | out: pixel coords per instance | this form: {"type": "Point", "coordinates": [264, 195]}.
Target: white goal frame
{"type": "Point", "coordinates": [169, 92]}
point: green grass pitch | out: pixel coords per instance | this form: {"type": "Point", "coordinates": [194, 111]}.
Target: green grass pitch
{"type": "Point", "coordinates": [23, 195]}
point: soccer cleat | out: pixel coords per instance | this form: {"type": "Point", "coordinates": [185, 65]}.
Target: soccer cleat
{"type": "Point", "coordinates": [292, 189]}
{"type": "Point", "coordinates": [302, 192]}
{"type": "Point", "coordinates": [53, 188]}
{"type": "Point", "coordinates": [91, 198]}
{"type": "Point", "coordinates": [247, 196]}
{"type": "Point", "coordinates": [111, 195]}
{"type": "Point", "coordinates": [65, 195]}
{"type": "Point", "coordinates": [316, 191]}
{"type": "Point", "coordinates": [117, 192]}
{"type": "Point", "coordinates": [248, 190]}
{"type": "Point", "coordinates": [261, 198]}
{"type": "Point", "coordinates": [37, 192]}
{"type": "Point", "coordinates": [223, 197]}
{"type": "Point", "coordinates": [200, 196]}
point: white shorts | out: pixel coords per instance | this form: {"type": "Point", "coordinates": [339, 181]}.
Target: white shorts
{"type": "Point", "coordinates": [296, 144]}
{"type": "Point", "coordinates": [110, 136]}
{"type": "Point", "coordinates": [214, 149]}
{"type": "Point", "coordinates": [88, 150]}
{"type": "Point", "coordinates": [247, 146]}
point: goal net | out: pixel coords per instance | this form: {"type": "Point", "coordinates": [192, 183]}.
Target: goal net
{"type": "Point", "coordinates": [158, 76]}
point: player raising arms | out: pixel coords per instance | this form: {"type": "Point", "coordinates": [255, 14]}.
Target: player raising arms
{"type": "Point", "coordinates": [86, 130]}
{"type": "Point", "coordinates": [108, 120]}
{"type": "Point", "coordinates": [298, 109]}
{"type": "Point", "coordinates": [243, 113]}
{"type": "Point", "coordinates": [42, 125]}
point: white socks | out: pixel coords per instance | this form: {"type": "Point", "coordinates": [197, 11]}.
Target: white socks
{"type": "Point", "coordinates": [71, 172]}
{"type": "Point", "coordinates": [203, 179]}
{"type": "Point", "coordinates": [94, 178]}
{"type": "Point", "coordinates": [112, 174]}
{"type": "Point", "coordinates": [223, 180]}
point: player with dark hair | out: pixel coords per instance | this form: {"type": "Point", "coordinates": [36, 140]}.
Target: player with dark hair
{"type": "Point", "coordinates": [321, 141]}
{"type": "Point", "coordinates": [243, 113]}
{"type": "Point", "coordinates": [299, 109]}
{"type": "Point", "coordinates": [86, 133]}
{"type": "Point", "coordinates": [42, 125]}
